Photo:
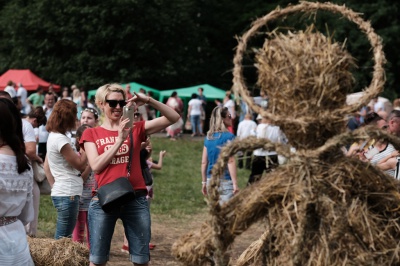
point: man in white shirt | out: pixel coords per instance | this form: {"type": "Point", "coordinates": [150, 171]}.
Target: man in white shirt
{"type": "Point", "coordinates": [22, 93]}
{"type": "Point", "coordinates": [49, 101]}
{"type": "Point", "coordinates": [246, 128]}
{"type": "Point", "coordinates": [10, 89]}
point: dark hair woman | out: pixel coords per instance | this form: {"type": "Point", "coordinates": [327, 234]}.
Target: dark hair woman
{"type": "Point", "coordinates": [16, 180]}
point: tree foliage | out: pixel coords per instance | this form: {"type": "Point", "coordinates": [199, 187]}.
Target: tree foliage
{"type": "Point", "coordinates": [164, 44]}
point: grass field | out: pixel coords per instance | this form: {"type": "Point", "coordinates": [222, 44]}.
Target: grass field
{"type": "Point", "coordinates": [177, 187]}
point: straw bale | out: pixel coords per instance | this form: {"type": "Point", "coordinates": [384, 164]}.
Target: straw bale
{"type": "Point", "coordinates": [62, 252]}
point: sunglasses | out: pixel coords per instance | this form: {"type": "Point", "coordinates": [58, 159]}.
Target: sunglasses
{"type": "Point", "coordinates": [136, 115]}
{"type": "Point", "coordinates": [114, 103]}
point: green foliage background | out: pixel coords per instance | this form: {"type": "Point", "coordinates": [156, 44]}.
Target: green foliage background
{"type": "Point", "coordinates": [166, 43]}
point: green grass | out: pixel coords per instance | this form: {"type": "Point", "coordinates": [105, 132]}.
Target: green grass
{"type": "Point", "coordinates": [177, 186]}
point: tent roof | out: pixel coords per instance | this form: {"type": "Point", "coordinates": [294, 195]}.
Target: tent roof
{"type": "Point", "coordinates": [135, 87]}
{"type": "Point", "coordinates": [28, 79]}
{"type": "Point", "coordinates": [210, 92]}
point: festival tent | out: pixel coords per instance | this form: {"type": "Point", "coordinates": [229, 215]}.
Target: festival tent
{"type": "Point", "coordinates": [185, 94]}
{"type": "Point", "coordinates": [135, 87]}
{"type": "Point", "coordinates": [29, 80]}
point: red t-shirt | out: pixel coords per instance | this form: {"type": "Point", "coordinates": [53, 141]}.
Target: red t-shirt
{"type": "Point", "coordinates": [104, 139]}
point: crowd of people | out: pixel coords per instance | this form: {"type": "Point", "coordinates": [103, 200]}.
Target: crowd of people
{"type": "Point", "coordinates": [86, 144]}
{"type": "Point", "coordinates": [80, 154]}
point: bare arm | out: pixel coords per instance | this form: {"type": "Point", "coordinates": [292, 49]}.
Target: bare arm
{"type": "Point", "coordinates": [158, 166]}
{"type": "Point", "coordinates": [30, 150]}
{"type": "Point", "coordinates": [233, 173]}
{"type": "Point", "coordinates": [76, 161]}
{"type": "Point", "coordinates": [389, 162]}
{"type": "Point", "coordinates": [204, 162]}
{"type": "Point", "coordinates": [49, 176]}
{"type": "Point", "coordinates": [169, 116]}
{"type": "Point", "coordinates": [86, 172]}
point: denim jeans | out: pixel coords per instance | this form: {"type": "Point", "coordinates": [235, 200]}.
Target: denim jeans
{"type": "Point", "coordinates": [195, 121]}
{"type": "Point", "coordinates": [135, 217]}
{"type": "Point", "coordinates": [225, 190]}
{"type": "Point", "coordinates": [67, 213]}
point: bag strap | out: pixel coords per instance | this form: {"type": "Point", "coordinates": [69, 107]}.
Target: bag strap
{"type": "Point", "coordinates": [130, 155]}
{"type": "Point", "coordinates": [396, 173]}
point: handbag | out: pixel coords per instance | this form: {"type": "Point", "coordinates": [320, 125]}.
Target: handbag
{"type": "Point", "coordinates": [147, 176]}
{"type": "Point", "coordinates": [38, 172]}
{"type": "Point", "coordinates": [188, 125]}
{"type": "Point", "coordinates": [119, 192]}
{"type": "Point", "coordinates": [44, 187]}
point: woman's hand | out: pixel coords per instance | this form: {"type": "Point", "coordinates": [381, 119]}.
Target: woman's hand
{"type": "Point", "coordinates": [162, 154]}
{"type": "Point", "coordinates": [139, 99]}
{"type": "Point", "coordinates": [204, 188]}
{"type": "Point", "coordinates": [123, 131]}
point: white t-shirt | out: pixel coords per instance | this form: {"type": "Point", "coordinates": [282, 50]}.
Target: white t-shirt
{"type": "Point", "coordinates": [67, 179]}
{"type": "Point", "coordinates": [28, 132]}
{"type": "Point", "coordinates": [196, 106]}
{"type": "Point", "coordinates": [43, 134]}
{"type": "Point", "coordinates": [246, 128]}
{"type": "Point", "coordinates": [273, 134]}
{"type": "Point", "coordinates": [11, 91]}
{"type": "Point", "coordinates": [23, 94]}
{"type": "Point", "coordinates": [231, 107]}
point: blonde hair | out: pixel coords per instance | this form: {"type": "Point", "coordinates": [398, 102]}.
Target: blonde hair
{"type": "Point", "coordinates": [76, 93]}
{"type": "Point", "coordinates": [217, 121]}
{"type": "Point", "coordinates": [103, 91]}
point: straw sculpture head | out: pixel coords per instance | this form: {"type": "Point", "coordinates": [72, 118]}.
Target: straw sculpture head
{"type": "Point", "coordinates": [305, 75]}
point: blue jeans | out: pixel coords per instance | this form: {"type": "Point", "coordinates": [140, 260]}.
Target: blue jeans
{"type": "Point", "coordinates": [195, 121]}
{"type": "Point", "coordinates": [135, 217]}
{"type": "Point", "coordinates": [67, 213]}
{"type": "Point", "coordinates": [225, 190]}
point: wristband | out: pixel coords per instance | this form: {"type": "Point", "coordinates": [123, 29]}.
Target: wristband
{"type": "Point", "coordinates": [203, 182]}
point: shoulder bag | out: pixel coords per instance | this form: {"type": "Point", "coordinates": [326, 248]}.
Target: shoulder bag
{"type": "Point", "coordinates": [120, 191]}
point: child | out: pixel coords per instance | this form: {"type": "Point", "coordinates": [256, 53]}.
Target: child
{"type": "Point", "coordinates": [88, 185]}
{"type": "Point", "coordinates": [89, 118]}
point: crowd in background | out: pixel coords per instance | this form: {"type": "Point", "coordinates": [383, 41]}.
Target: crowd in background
{"type": "Point", "coordinates": [80, 142]}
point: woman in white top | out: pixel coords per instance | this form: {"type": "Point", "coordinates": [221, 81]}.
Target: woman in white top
{"type": "Point", "coordinates": [264, 160]}
{"type": "Point", "coordinates": [194, 113]}
{"type": "Point", "coordinates": [63, 167]}
{"type": "Point", "coordinates": [16, 180]}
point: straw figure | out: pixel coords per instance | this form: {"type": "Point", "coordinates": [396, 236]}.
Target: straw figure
{"type": "Point", "coordinates": [61, 252]}
{"type": "Point", "coordinates": [320, 208]}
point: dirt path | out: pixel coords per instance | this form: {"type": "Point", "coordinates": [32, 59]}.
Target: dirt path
{"type": "Point", "coordinates": [165, 232]}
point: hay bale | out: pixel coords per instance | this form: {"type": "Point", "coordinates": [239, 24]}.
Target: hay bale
{"type": "Point", "coordinates": [62, 252]}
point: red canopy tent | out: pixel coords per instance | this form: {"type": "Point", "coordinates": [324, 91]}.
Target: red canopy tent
{"type": "Point", "coordinates": [29, 80]}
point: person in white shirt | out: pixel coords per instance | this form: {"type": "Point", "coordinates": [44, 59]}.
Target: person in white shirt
{"type": "Point", "coordinates": [265, 160]}
{"type": "Point", "coordinates": [34, 119]}
{"type": "Point", "coordinates": [194, 113]}
{"type": "Point", "coordinates": [10, 89]}
{"type": "Point", "coordinates": [49, 101]}
{"type": "Point", "coordinates": [246, 128]}
{"type": "Point", "coordinates": [63, 167]}
{"type": "Point", "coordinates": [230, 104]}
{"type": "Point", "coordinates": [22, 93]}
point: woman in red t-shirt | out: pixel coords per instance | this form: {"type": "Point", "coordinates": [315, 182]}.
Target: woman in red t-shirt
{"type": "Point", "coordinates": [107, 149]}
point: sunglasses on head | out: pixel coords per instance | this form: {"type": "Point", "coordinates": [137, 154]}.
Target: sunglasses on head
{"type": "Point", "coordinates": [114, 103]}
